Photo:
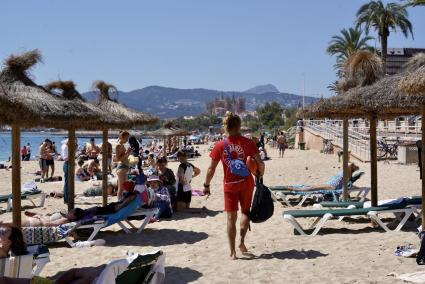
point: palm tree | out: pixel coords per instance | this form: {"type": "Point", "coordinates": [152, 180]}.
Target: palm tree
{"type": "Point", "coordinates": [416, 3]}
{"type": "Point", "coordinates": [346, 44]}
{"type": "Point", "coordinates": [384, 18]}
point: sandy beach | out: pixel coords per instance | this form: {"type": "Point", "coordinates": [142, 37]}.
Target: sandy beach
{"type": "Point", "coordinates": [196, 245]}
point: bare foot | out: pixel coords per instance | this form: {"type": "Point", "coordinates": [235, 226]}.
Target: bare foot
{"type": "Point", "coordinates": [243, 248]}
{"type": "Point", "coordinates": [233, 255]}
{"type": "Point", "coordinates": [29, 214]}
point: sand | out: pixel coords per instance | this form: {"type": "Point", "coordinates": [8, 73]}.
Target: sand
{"type": "Point", "coordinates": [196, 245]}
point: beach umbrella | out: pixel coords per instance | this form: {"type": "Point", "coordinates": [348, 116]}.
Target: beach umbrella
{"type": "Point", "coordinates": [382, 100]}
{"type": "Point", "coordinates": [23, 103]}
{"type": "Point", "coordinates": [69, 93]}
{"type": "Point", "coordinates": [121, 117]}
{"type": "Point", "coordinates": [414, 84]}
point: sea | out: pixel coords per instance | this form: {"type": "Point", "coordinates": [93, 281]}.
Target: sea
{"type": "Point", "coordinates": [36, 138]}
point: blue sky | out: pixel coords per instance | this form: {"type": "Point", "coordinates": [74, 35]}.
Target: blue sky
{"type": "Point", "coordinates": [220, 44]}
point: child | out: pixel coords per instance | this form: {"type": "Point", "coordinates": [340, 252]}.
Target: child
{"type": "Point", "coordinates": [161, 199]}
{"type": "Point", "coordinates": [185, 173]}
{"type": "Point", "coordinates": [81, 173]}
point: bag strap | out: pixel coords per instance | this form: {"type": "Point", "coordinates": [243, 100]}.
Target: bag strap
{"type": "Point", "coordinates": [226, 147]}
{"type": "Point", "coordinates": [258, 180]}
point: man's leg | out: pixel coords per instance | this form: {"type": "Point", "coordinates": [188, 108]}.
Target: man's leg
{"type": "Point", "coordinates": [243, 230]}
{"type": "Point", "coordinates": [232, 216]}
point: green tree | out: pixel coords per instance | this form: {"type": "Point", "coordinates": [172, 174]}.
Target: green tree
{"type": "Point", "coordinates": [384, 19]}
{"type": "Point", "coordinates": [416, 3]}
{"type": "Point", "coordinates": [270, 115]}
{"type": "Point", "coordinates": [346, 44]}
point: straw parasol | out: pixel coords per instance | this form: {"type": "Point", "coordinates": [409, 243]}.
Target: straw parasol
{"type": "Point", "coordinates": [120, 117]}
{"type": "Point", "coordinates": [414, 84]}
{"type": "Point", "coordinates": [69, 93]}
{"type": "Point", "coordinates": [25, 104]}
{"type": "Point", "coordinates": [383, 99]}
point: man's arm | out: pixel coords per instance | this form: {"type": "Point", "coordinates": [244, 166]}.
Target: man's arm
{"type": "Point", "coordinates": [126, 201]}
{"type": "Point", "coordinates": [209, 176]}
{"type": "Point", "coordinates": [260, 165]}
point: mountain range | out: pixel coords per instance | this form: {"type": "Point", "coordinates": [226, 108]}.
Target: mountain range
{"type": "Point", "coordinates": [168, 102]}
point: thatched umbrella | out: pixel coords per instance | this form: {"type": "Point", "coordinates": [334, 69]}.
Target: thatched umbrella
{"type": "Point", "coordinates": [380, 100]}
{"type": "Point", "coordinates": [169, 130]}
{"type": "Point", "coordinates": [25, 104]}
{"type": "Point", "coordinates": [121, 117]}
{"type": "Point", "coordinates": [414, 84]}
{"type": "Point", "coordinates": [69, 93]}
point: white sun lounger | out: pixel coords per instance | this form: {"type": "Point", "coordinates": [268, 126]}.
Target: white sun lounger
{"type": "Point", "coordinates": [322, 216]}
{"type": "Point", "coordinates": [100, 224]}
{"type": "Point", "coordinates": [25, 266]}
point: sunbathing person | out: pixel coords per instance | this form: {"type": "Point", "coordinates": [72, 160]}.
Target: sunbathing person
{"type": "Point", "coordinates": [11, 241]}
{"type": "Point", "coordinates": [81, 173]}
{"type": "Point", "coordinates": [56, 219]}
{"type": "Point", "coordinates": [336, 182]}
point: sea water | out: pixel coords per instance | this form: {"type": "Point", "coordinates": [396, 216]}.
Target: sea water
{"type": "Point", "coordinates": [36, 138]}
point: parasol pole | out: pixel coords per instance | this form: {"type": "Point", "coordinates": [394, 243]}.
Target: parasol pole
{"type": "Point", "coordinates": [345, 158]}
{"type": "Point", "coordinates": [373, 161]}
{"type": "Point", "coordinates": [423, 166]}
{"type": "Point", "coordinates": [105, 155]}
{"type": "Point", "coordinates": [71, 168]}
{"type": "Point", "coordinates": [16, 175]}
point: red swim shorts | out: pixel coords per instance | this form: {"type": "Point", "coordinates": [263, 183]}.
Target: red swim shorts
{"type": "Point", "coordinates": [235, 193]}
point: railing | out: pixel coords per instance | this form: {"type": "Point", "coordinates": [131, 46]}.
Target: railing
{"type": "Point", "coordinates": [358, 133]}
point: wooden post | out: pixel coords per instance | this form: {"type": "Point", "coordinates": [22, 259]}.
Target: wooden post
{"type": "Point", "coordinates": [345, 158]}
{"type": "Point", "coordinates": [373, 161]}
{"type": "Point", "coordinates": [16, 175]}
{"type": "Point", "coordinates": [71, 168]}
{"type": "Point", "coordinates": [105, 155]}
{"type": "Point", "coordinates": [423, 167]}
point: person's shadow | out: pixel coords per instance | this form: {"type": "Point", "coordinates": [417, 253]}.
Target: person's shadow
{"type": "Point", "coordinates": [177, 275]}
{"type": "Point", "coordinates": [289, 254]}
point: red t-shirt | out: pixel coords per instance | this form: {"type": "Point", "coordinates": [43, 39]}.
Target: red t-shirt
{"type": "Point", "coordinates": [240, 148]}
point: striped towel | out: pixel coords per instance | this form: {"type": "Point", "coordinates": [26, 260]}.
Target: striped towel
{"type": "Point", "coordinates": [46, 235]}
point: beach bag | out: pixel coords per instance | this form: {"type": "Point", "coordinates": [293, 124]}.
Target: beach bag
{"type": "Point", "coordinates": [262, 206]}
{"type": "Point", "coordinates": [237, 167]}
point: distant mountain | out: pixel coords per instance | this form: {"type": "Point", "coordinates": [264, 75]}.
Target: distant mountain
{"type": "Point", "coordinates": [171, 102]}
{"type": "Point", "coordinates": [262, 89]}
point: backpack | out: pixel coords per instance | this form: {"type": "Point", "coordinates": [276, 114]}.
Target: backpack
{"type": "Point", "coordinates": [420, 257]}
{"type": "Point", "coordinates": [262, 206]}
{"type": "Point", "coordinates": [237, 167]}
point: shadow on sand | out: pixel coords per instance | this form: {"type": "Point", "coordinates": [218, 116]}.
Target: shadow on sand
{"type": "Point", "coordinates": [177, 275]}
{"type": "Point", "coordinates": [289, 254]}
{"type": "Point", "coordinates": [155, 238]}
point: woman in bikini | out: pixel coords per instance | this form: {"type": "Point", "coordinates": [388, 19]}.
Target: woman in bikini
{"type": "Point", "coordinates": [121, 157]}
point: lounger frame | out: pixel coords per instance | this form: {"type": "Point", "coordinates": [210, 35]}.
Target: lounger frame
{"type": "Point", "coordinates": [98, 225]}
{"type": "Point", "coordinates": [30, 198]}
{"type": "Point", "coordinates": [318, 223]}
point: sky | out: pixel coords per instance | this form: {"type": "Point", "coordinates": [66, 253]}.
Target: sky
{"type": "Point", "coordinates": [217, 44]}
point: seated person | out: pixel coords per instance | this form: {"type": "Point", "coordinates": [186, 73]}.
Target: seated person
{"type": "Point", "coordinates": [161, 199]}
{"type": "Point", "coordinates": [92, 149]}
{"type": "Point", "coordinates": [81, 173]}
{"type": "Point", "coordinates": [336, 182]}
{"type": "Point", "coordinates": [168, 179]}
{"type": "Point", "coordinates": [263, 154]}
{"type": "Point", "coordinates": [94, 169]}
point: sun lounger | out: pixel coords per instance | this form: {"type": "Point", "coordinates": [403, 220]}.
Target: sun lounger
{"type": "Point", "coordinates": [118, 218]}
{"type": "Point", "coordinates": [25, 266]}
{"type": "Point", "coordinates": [282, 193]}
{"type": "Point", "coordinates": [401, 212]}
{"type": "Point", "coordinates": [26, 195]}
{"type": "Point", "coordinates": [415, 200]}
{"type": "Point", "coordinates": [138, 268]}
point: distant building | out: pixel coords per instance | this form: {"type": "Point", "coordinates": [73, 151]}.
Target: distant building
{"type": "Point", "coordinates": [397, 57]}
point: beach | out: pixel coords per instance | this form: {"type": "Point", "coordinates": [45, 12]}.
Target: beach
{"type": "Point", "coordinates": [196, 244]}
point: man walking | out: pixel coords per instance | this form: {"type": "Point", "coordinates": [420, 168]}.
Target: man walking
{"type": "Point", "coordinates": [64, 155]}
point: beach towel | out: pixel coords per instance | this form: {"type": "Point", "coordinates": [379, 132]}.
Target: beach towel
{"type": "Point", "coordinates": [125, 212]}
{"type": "Point", "coordinates": [117, 267]}
{"type": "Point", "coordinates": [46, 235]}
{"type": "Point", "coordinates": [198, 192]}
{"type": "Point", "coordinates": [415, 277]}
